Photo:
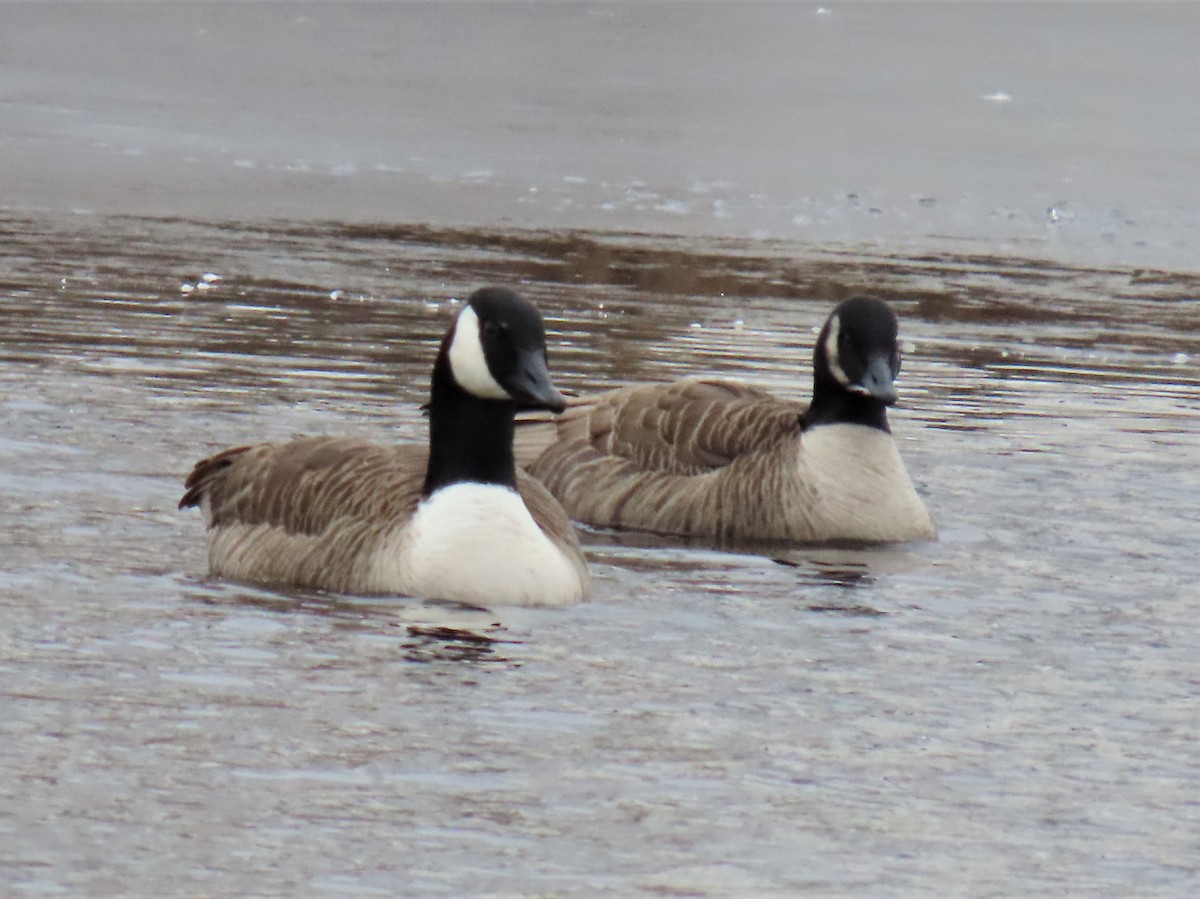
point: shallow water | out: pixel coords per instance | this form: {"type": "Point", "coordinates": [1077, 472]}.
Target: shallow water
{"type": "Point", "coordinates": [1009, 710]}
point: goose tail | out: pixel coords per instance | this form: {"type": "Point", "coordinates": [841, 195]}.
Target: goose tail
{"type": "Point", "coordinates": [205, 473]}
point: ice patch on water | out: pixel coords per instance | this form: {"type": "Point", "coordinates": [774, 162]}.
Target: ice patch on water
{"type": "Point", "coordinates": [1059, 213]}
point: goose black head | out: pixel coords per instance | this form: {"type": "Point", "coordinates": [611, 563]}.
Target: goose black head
{"type": "Point", "coordinates": [496, 350]}
{"type": "Point", "coordinates": [858, 352]}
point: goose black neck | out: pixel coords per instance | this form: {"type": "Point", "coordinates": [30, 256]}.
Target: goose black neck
{"type": "Point", "coordinates": [832, 404]}
{"type": "Point", "coordinates": [470, 439]}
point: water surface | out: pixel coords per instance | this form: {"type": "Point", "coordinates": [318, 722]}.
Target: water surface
{"type": "Point", "coordinates": [1059, 130]}
{"type": "Point", "coordinates": [1010, 710]}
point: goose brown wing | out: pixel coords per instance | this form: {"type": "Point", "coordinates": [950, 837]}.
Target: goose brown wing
{"type": "Point", "coordinates": [552, 519]}
{"type": "Point", "coordinates": [305, 485]}
{"type": "Point", "coordinates": [684, 428]}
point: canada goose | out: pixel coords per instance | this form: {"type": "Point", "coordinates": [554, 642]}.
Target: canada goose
{"type": "Point", "coordinates": [454, 520]}
{"type": "Point", "coordinates": [728, 461]}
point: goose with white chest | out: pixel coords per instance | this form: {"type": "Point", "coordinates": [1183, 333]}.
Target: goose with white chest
{"type": "Point", "coordinates": [451, 520]}
{"type": "Point", "coordinates": [728, 461]}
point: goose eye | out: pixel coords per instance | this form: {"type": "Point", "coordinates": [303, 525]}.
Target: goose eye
{"type": "Point", "coordinates": [491, 328]}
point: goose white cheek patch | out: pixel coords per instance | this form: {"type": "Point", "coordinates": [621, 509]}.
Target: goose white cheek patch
{"type": "Point", "coordinates": [831, 352]}
{"type": "Point", "coordinates": [467, 361]}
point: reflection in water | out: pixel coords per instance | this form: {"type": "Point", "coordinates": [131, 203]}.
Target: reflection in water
{"type": "Point", "coordinates": [431, 630]}
{"type": "Point", "coordinates": [849, 573]}
{"type": "Point", "coordinates": [723, 306]}
{"type": "Point", "coordinates": [449, 644]}
{"type": "Point", "coordinates": [852, 611]}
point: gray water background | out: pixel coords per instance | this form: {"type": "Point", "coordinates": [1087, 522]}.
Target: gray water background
{"type": "Point", "coordinates": [1060, 130]}
{"type": "Point", "coordinates": [1011, 710]}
